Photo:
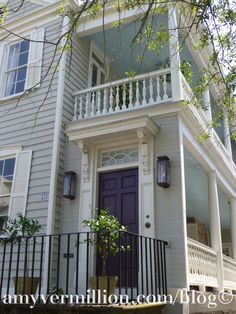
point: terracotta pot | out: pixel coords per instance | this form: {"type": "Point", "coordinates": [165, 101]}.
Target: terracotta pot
{"type": "Point", "coordinates": [101, 283]}
{"type": "Point", "coordinates": [26, 285]}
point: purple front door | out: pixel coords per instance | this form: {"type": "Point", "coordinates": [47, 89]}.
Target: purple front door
{"type": "Point", "coordinates": [118, 191]}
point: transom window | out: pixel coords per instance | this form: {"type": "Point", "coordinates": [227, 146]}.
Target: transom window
{"type": "Point", "coordinates": [6, 178]}
{"type": "Point", "coordinates": [119, 156]}
{"type": "Point", "coordinates": [17, 68]}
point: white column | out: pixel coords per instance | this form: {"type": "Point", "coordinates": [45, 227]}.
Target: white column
{"type": "Point", "coordinates": [174, 55]}
{"type": "Point", "coordinates": [207, 104]}
{"type": "Point", "coordinates": [215, 227]}
{"type": "Point", "coordinates": [227, 139]}
{"type": "Point", "coordinates": [233, 224]}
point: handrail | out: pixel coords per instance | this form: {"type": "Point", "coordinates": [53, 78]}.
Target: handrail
{"type": "Point", "coordinates": [229, 260]}
{"type": "Point", "coordinates": [122, 81]}
{"type": "Point", "coordinates": [201, 246]}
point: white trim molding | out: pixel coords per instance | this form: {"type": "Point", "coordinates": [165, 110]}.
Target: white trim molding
{"type": "Point", "coordinates": [9, 150]}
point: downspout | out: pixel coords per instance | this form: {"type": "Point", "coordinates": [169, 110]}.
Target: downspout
{"type": "Point", "coordinates": [57, 135]}
{"type": "Point", "coordinates": [55, 155]}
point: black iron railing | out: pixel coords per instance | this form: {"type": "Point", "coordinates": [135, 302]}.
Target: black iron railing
{"type": "Point", "coordinates": [71, 264]}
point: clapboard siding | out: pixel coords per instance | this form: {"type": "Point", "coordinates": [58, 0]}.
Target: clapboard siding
{"type": "Point", "coordinates": [169, 207]}
{"type": "Point", "coordinates": [31, 125]}
{"type": "Point", "coordinates": [16, 9]}
{"type": "Point", "coordinates": [76, 77]}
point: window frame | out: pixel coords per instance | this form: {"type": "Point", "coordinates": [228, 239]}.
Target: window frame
{"type": "Point", "coordinates": [100, 55]}
{"type": "Point", "coordinates": [5, 70]}
{"type": "Point", "coordinates": [9, 155]}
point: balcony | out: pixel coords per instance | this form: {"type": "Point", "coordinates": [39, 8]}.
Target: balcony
{"type": "Point", "coordinates": [124, 95]}
{"type": "Point", "coordinates": [64, 263]}
{"type": "Point", "coordinates": [147, 94]}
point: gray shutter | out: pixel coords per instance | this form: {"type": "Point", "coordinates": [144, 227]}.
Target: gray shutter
{"type": "Point", "coordinates": [35, 59]}
{"type": "Point", "coordinates": [2, 46]}
{"type": "Point", "coordinates": [2, 67]}
{"type": "Point", "coordinates": [20, 184]}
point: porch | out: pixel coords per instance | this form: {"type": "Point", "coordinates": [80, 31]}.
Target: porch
{"type": "Point", "coordinates": [210, 224]}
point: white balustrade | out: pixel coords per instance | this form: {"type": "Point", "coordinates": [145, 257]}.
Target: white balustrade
{"type": "Point", "coordinates": [229, 273]}
{"type": "Point", "coordinates": [126, 94]}
{"type": "Point", "coordinates": [202, 263]}
{"type": "Point", "coordinates": [201, 116]}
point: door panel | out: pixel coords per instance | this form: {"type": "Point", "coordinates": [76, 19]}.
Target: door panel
{"type": "Point", "coordinates": [123, 187]}
{"type": "Point", "coordinates": [118, 192]}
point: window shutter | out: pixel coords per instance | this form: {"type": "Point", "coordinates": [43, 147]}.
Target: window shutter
{"type": "Point", "coordinates": [21, 182]}
{"type": "Point", "coordinates": [2, 46]}
{"type": "Point", "coordinates": [35, 59]}
{"type": "Point", "coordinates": [2, 51]}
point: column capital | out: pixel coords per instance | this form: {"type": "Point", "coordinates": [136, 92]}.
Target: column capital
{"type": "Point", "coordinates": [212, 173]}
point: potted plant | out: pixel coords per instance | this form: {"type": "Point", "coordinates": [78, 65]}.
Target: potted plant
{"type": "Point", "coordinates": [20, 231]}
{"type": "Point", "coordinates": [106, 228]}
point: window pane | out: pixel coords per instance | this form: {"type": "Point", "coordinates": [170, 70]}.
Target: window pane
{"type": "Point", "coordinates": [102, 78]}
{"type": "Point", "coordinates": [20, 87]}
{"type": "Point", "coordinates": [10, 85]}
{"type": "Point", "coordinates": [13, 56]}
{"type": "Point", "coordinates": [94, 75]}
{"type": "Point", "coordinates": [9, 167]}
{"type": "Point", "coordinates": [24, 46]}
{"type": "Point", "coordinates": [2, 220]}
{"type": "Point", "coordinates": [4, 205]}
{"type": "Point", "coordinates": [1, 166]}
{"type": "Point", "coordinates": [23, 58]}
{"type": "Point", "coordinates": [21, 74]}
{"type": "Point", "coordinates": [6, 185]}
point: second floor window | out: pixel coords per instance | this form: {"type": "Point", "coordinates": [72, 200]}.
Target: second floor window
{"type": "Point", "coordinates": [6, 178]}
{"type": "Point", "coordinates": [17, 68]}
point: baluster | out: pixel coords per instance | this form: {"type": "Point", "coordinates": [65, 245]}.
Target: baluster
{"type": "Point", "coordinates": [144, 101]}
{"type": "Point", "coordinates": [105, 102]}
{"type": "Point", "coordinates": [151, 100]}
{"type": "Point", "coordinates": [75, 109]}
{"type": "Point", "coordinates": [137, 103]}
{"type": "Point", "coordinates": [93, 105]}
{"type": "Point", "coordinates": [130, 95]}
{"type": "Point", "coordinates": [165, 96]}
{"type": "Point", "coordinates": [81, 107]}
{"type": "Point", "coordinates": [158, 89]}
{"type": "Point", "coordinates": [99, 112]}
{"type": "Point", "coordinates": [87, 113]}
{"type": "Point", "coordinates": [111, 100]}
{"type": "Point", "coordinates": [117, 99]}
{"type": "Point", "coordinates": [124, 97]}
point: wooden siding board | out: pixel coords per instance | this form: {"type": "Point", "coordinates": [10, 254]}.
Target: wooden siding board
{"type": "Point", "coordinates": [31, 124]}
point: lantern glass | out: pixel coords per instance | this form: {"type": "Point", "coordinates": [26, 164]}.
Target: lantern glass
{"type": "Point", "coordinates": [69, 185]}
{"type": "Point", "coordinates": [163, 171]}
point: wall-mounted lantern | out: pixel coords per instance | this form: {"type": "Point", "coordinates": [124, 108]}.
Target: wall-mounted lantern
{"type": "Point", "coordinates": [69, 185]}
{"type": "Point", "coordinates": [163, 171]}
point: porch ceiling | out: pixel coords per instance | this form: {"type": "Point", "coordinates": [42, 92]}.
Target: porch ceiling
{"type": "Point", "coordinates": [117, 45]}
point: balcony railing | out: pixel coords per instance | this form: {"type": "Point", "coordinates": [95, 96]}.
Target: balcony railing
{"type": "Point", "coordinates": [204, 122]}
{"type": "Point", "coordinates": [64, 263]}
{"type": "Point", "coordinates": [229, 273]}
{"type": "Point", "coordinates": [126, 94]}
{"type": "Point", "coordinates": [202, 263]}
